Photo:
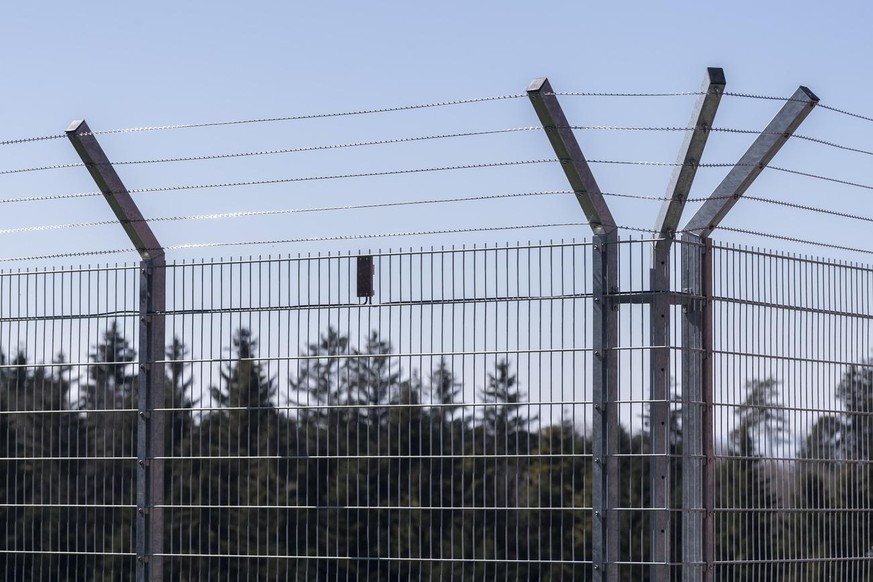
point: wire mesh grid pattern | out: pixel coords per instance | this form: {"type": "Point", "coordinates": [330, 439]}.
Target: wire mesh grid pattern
{"type": "Point", "coordinates": [398, 438]}
{"type": "Point", "coordinates": [68, 423]}
{"type": "Point", "coordinates": [311, 434]}
{"type": "Point", "coordinates": [440, 429]}
{"type": "Point", "coordinates": [792, 403]}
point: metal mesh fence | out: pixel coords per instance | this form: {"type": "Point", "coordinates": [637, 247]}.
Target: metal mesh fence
{"type": "Point", "coordinates": [433, 431]}
{"type": "Point", "coordinates": [68, 423]}
{"type": "Point", "coordinates": [792, 411]}
{"type": "Point", "coordinates": [440, 428]}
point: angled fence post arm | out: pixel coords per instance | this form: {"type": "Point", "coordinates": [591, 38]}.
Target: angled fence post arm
{"type": "Point", "coordinates": [660, 425]}
{"type": "Point", "coordinates": [690, 153]}
{"type": "Point", "coordinates": [753, 162]}
{"type": "Point", "coordinates": [567, 149]}
{"type": "Point", "coordinates": [605, 424]}
{"type": "Point", "coordinates": [114, 191]}
{"type": "Point", "coordinates": [697, 347]}
{"type": "Point", "coordinates": [152, 330]}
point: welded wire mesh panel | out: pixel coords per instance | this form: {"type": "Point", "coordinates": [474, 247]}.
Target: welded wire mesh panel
{"type": "Point", "coordinates": [639, 471]}
{"type": "Point", "coordinates": [793, 396]}
{"type": "Point", "coordinates": [67, 423]}
{"type": "Point", "coordinates": [438, 430]}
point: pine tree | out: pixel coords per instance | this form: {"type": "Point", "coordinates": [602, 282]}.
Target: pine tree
{"type": "Point", "coordinates": [503, 418]}
{"type": "Point", "coordinates": [445, 392]}
{"type": "Point", "coordinates": [180, 394]}
{"type": "Point", "coordinates": [855, 392]}
{"type": "Point", "coordinates": [373, 379]}
{"type": "Point", "coordinates": [322, 379]}
{"type": "Point", "coordinates": [241, 474]}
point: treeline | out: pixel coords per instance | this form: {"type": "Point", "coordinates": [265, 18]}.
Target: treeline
{"type": "Point", "coordinates": [375, 473]}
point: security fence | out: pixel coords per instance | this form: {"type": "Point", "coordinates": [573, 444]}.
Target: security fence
{"type": "Point", "coordinates": [658, 408]}
{"type": "Point", "coordinates": [440, 420]}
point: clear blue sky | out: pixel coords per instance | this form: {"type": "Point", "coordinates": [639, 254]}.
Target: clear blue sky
{"type": "Point", "coordinates": [122, 65]}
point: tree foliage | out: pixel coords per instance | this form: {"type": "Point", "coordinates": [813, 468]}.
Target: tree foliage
{"type": "Point", "coordinates": [376, 472]}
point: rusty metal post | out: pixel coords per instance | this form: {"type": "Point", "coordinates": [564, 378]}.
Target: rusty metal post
{"type": "Point", "coordinates": [152, 329]}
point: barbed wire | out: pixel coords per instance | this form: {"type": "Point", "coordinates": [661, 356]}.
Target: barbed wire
{"type": "Point", "coordinates": [796, 240]}
{"type": "Point", "coordinates": [368, 206]}
{"type": "Point", "coordinates": [484, 165]}
{"type": "Point", "coordinates": [342, 176]}
{"type": "Point", "coordinates": [277, 212]}
{"type": "Point", "coordinates": [820, 177]}
{"type": "Point", "coordinates": [310, 116]}
{"type": "Point", "coordinates": [221, 123]}
{"type": "Point", "coordinates": [31, 139]}
{"type": "Point", "coordinates": [810, 208]}
{"type": "Point", "coordinates": [189, 246]}
{"type": "Point", "coordinates": [49, 197]}
{"type": "Point", "coordinates": [820, 105]}
{"type": "Point", "coordinates": [302, 149]}
{"type": "Point", "coordinates": [622, 94]}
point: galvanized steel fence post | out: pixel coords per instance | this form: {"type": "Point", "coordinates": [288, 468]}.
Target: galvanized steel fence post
{"type": "Point", "coordinates": [660, 425]}
{"type": "Point", "coordinates": [150, 395]}
{"type": "Point", "coordinates": [605, 425]}
{"type": "Point", "coordinates": [696, 385]}
{"type": "Point", "coordinates": [698, 486]}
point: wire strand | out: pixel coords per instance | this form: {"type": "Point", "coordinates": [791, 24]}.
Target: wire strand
{"type": "Point", "coordinates": [796, 240]}
{"type": "Point", "coordinates": [820, 105]}
{"type": "Point", "coordinates": [620, 94]}
{"type": "Point", "coordinates": [414, 139]}
{"type": "Point", "coordinates": [189, 246]}
{"type": "Point", "coordinates": [309, 116]}
{"type": "Point", "coordinates": [255, 213]}
{"type": "Point", "coordinates": [31, 139]}
{"type": "Point", "coordinates": [820, 177]}
{"type": "Point", "coordinates": [341, 176]}
{"type": "Point", "coordinates": [280, 151]}
{"type": "Point", "coordinates": [810, 208]}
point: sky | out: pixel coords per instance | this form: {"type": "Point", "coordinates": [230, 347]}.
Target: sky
{"type": "Point", "coordinates": [127, 66]}
{"type": "Point", "coordinates": [121, 65]}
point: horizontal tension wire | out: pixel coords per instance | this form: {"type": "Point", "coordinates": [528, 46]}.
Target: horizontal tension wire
{"type": "Point", "coordinates": [301, 240]}
{"type": "Point", "coordinates": [310, 116]}
{"type": "Point", "coordinates": [302, 149]}
{"type": "Point", "coordinates": [415, 107]}
{"type": "Point", "coordinates": [255, 213]}
{"type": "Point", "coordinates": [174, 188]}
{"type": "Point", "coordinates": [796, 240]}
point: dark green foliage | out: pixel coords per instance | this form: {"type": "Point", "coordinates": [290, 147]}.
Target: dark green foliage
{"type": "Point", "coordinates": [375, 474]}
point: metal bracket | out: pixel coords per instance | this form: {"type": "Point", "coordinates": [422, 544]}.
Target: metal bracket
{"type": "Point", "coordinates": [648, 297]}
